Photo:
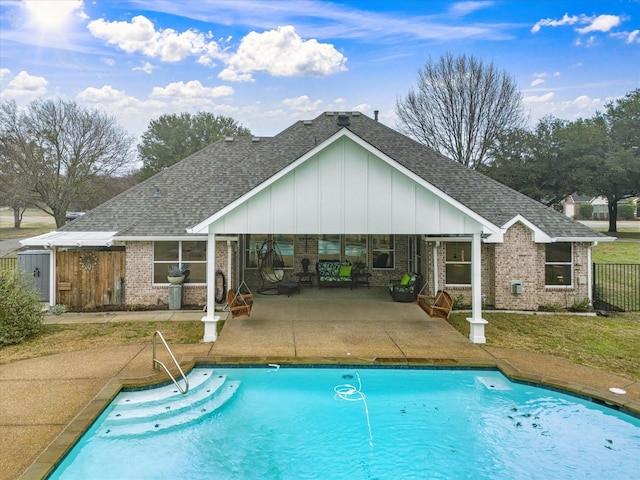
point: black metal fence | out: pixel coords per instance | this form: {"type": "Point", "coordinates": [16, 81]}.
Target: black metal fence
{"type": "Point", "coordinates": [8, 263]}
{"type": "Point", "coordinates": [616, 287]}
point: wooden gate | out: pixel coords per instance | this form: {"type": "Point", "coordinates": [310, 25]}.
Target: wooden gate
{"type": "Point", "coordinates": [90, 279]}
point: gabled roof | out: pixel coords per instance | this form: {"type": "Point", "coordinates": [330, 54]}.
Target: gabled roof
{"type": "Point", "coordinates": [194, 189]}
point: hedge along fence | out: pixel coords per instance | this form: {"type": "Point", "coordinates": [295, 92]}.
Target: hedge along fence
{"type": "Point", "coordinates": [20, 312]}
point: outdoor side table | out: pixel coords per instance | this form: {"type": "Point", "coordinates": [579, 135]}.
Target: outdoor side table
{"type": "Point", "coordinates": [306, 278]}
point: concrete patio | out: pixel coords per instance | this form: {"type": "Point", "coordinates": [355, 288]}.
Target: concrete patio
{"type": "Point", "coordinates": [47, 402]}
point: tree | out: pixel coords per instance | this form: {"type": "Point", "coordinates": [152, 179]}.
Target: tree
{"type": "Point", "coordinates": [618, 174]}
{"type": "Point", "coordinates": [460, 107]}
{"type": "Point", "coordinates": [57, 147]}
{"type": "Point", "coordinates": [14, 188]}
{"type": "Point", "coordinates": [173, 137]}
{"type": "Point", "coordinates": [535, 162]}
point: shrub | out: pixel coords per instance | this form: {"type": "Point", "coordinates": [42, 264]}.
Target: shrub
{"type": "Point", "coordinates": [625, 212]}
{"type": "Point", "coordinates": [585, 211]}
{"type": "Point", "coordinates": [20, 312]}
{"type": "Point", "coordinates": [580, 306]}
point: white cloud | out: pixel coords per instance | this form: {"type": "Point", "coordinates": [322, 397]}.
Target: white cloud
{"type": "Point", "coordinates": [140, 36]}
{"type": "Point", "coordinates": [146, 67]}
{"type": "Point", "coordinates": [464, 8]}
{"type": "Point", "coordinates": [108, 61]}
{"type": "Point", "coordinates": [283, 52]}
{"type": "Point", "coordinates": [582, 106]}
{"type": "Point", "coordinates": [601, 23]}
{"type": "Point", "coordinates": [24, 86]}
{"type": "Point", "coordinates": [628, 37]}
{"type": "Point", "coordinates": [4, 72]}
{"type": "Point", "coordinates": [538, 98]}
{"type": "Point", "coordinates": [549, 22]}
{"type": "Point", "coordinates": [536, 82]}
{"type": "Point", "coordinates": [302, 104]}
{"type": "Point", "coordinates": [192, 90]}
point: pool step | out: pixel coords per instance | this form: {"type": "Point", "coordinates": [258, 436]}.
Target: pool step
{"type": "Point", "coordinates": [197, 378]}
{"type": "Point", "coordinates": [167, 412]}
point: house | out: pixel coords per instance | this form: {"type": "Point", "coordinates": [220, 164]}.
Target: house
{"type": "Point", "coordinates": [571, 206]}
{"type": "Point", "coordinates": [340, 186]}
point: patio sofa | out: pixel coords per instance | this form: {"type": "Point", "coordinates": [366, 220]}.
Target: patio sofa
{"type": "Point", "coordinates": [405, 289]}
{"type": "Point", "coordinates": [333, 273]}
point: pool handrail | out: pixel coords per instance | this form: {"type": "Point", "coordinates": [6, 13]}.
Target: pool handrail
{"type": "Point", "coordinates": [158, 362]}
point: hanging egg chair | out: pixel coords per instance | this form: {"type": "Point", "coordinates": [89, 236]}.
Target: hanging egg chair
{"type": "Point", "coordinates": [271, 267]}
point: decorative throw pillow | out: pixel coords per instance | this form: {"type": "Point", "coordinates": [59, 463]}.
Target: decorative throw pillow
{"type": "Point", "coordinates": [405, 279]}
{"type": "Point", "coordinates": [345, 271]}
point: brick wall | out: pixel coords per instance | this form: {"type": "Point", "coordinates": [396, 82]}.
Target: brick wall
{"type": "Point", "coordinates": [139, 287]}
{"type": "Point", "coordinates": [519, 258]}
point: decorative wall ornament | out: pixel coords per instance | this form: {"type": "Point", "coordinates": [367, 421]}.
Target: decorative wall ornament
{"type": "Point", "coordinates": [88, 260]}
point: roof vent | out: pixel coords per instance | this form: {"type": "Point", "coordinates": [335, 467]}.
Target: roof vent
{"type": "Point", "coordinates": [228, 139]}
{"type": "Point", "coordinates": [308, 122]}
{"type": "Point", "coordinates": [255, 139]}
{"type": "Point", "coordinates": [343, 120]}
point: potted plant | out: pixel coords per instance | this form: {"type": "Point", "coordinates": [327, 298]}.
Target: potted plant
{"type": "Point", "coordinates": [177, 273]}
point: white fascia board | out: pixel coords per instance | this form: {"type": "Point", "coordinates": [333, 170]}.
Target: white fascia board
{"type": "Point", "coordinates": [158, 238]}
{"type": "Point", "coordinates": [203, 227]}
{"type": "Point", "coordinates": [538, 235]}
{"type": "Point", "coordinates": [71, 239]}
{"type": "Point", "coordinates": [583, 239]}
{"type": "Point", "coordinates": [487, 227]}
{"type": "Point", "coordinates": [200, 238]}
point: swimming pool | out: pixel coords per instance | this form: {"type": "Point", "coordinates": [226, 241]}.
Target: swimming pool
{"type": "Point", "coordinates": [356, 423]}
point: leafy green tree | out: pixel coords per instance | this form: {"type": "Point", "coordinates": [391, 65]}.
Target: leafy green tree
{"type": "Point", "coordinates": [617, 174]}
{"type": "Point", "coordinates": [172, 138]}
{"type": "Point", "coordinates": [57, 147]}
{"type": "Point", "coordinates": [537, 162]}
{"type": "Point", "coordinates": [461, 107]}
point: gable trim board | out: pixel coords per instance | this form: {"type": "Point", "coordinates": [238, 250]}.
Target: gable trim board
{"type": "Point", "coordinates": [418, 186]}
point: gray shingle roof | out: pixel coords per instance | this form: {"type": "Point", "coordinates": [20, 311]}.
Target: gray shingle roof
{"type": "Point", "coordinates": [197, 187]}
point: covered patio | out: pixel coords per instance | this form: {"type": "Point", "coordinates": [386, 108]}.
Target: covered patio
{"type": "Point", "coordinates": [360, 324]}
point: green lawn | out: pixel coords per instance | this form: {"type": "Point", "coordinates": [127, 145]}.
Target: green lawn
{"type": "Point", "coordinates": [608, 343]}
{"type": "Point", "coordinates": [617, 252]}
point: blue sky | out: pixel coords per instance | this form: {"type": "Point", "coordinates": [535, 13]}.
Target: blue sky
{"type": "Point", "coordinates": [270, 63]}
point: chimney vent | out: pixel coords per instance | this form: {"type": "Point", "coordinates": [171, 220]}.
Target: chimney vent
{"type": "Point", "coordinates": [343, 120]}
{"type": "Point", "coordinates": [375, 115]}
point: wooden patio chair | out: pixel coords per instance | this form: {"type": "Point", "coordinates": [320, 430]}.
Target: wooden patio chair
{"type": "Point", "coordinates": [239, 304]}
{"type": "Point", "coordinates": [436, 306]}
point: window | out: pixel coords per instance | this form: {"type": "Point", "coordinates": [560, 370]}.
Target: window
{"type": "Point", "coordinates": [382, 249]}
{"type": "Point", "coordinates": [458, 263]}
{"type": "Point", "coordinates": [355, 249]}
{"type": "Point", "coordinates": [192, 252]}
{"type": "Point", "coordinates": [255, 245]}
{"type": "Point", "coordinates": [284, 243]}
{"type": "Point", "coordinates": [329, 247]}
{"type": "Point", "coordinates": [252, 247]}
{"type": "Point", "coordinates": [558, 267]}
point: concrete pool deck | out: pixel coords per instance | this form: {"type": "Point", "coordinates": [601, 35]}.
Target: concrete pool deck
{"type": "Point", "coordinates": [47, 402]}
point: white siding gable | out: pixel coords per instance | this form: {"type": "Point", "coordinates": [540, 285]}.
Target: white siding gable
{"type": "Point", "coordinates": [345, 188]}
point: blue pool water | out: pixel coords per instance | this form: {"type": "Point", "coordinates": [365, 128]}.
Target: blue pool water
{"type": "Point", "coordinates": [348, 423]}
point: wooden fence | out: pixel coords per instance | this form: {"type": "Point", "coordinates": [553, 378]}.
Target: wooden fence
{"type": "Point", "coordinates": [90, 278]}
{"type": "Point", "coordinates": [8, 263]}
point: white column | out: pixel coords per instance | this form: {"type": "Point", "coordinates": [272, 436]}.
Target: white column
{"type": "Point", "coordinates": [53, 287]}
{"type": "Point", "coordinates": [230, 263]}
{"type": "Point", "coordinates": [210, 320]}
{"type": "Point", "coordinates": [434, 254]}
{"type": "Point", "coordinates": [476, 322]}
